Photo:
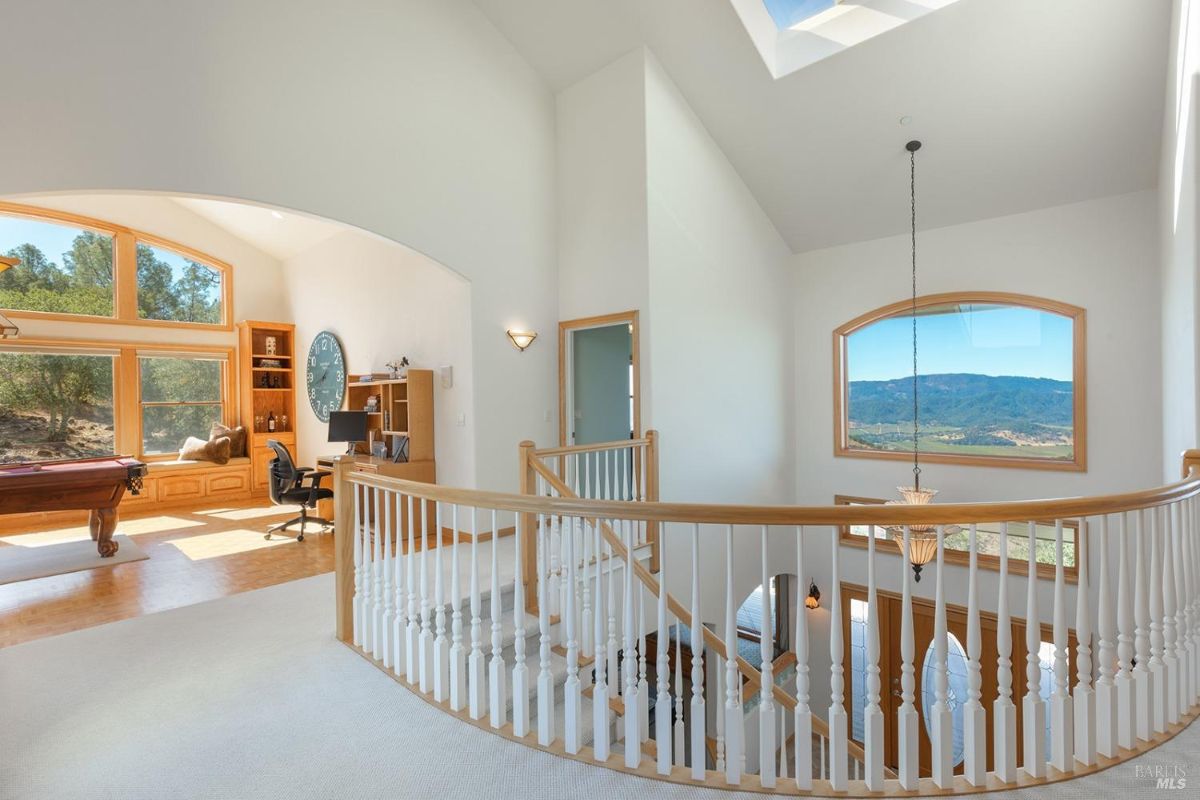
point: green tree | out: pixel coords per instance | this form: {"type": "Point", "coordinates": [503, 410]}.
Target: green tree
{"type": "Point", "coordinates": [60, 386]}
{"type": "Point", "coordinates": [197, 291]}
{"type": "Point", "coordinates": [90, 260]}
{"type": "Point", "coordinates": [156, 292]}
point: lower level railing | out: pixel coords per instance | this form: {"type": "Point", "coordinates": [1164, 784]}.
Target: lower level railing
{"type": "Point", "coordinates": [596, 668]}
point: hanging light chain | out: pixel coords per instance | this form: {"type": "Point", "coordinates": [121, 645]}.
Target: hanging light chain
{"type": "Point", "coordinates": [912, 185]}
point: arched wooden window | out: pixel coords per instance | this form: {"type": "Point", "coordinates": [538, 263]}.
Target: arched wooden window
{"type": "Point", "coordinates": [1001, 382]}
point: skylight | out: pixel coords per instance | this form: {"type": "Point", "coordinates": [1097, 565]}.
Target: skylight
{"type": "Point", "coordinates": [787, 13]}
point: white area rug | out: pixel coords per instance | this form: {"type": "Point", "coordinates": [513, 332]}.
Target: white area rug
{"type": "Point", "coordinates": [250, 696]}
{"type": "Point", "coordinates": [19, 563]}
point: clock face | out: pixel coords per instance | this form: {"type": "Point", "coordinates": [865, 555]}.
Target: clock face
{"type": "Point", "coordinates": [326, 375]}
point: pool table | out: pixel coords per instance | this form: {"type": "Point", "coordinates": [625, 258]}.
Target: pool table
{"type": "Point", "coordinates": [95, 485]}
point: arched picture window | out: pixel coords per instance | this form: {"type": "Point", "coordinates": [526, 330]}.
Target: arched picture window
{"type": "Point", "coordinates": [1001, 382]}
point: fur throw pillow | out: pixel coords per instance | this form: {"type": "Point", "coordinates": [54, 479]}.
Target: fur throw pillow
{"type": "Point", "coordinates": [237, 438]}
{"type": "Point", "coordinates": [214, 450]}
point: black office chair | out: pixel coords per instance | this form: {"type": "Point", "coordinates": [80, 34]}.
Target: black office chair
{"type": "Point", "coordinates": [286, 487]}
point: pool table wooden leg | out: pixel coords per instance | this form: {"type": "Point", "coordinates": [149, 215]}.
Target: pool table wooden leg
{"type": "Point", "coordinates": [102, 522]}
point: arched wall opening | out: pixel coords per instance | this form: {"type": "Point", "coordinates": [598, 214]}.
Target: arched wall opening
{"type": "Point", "coordinates": [381, 299]}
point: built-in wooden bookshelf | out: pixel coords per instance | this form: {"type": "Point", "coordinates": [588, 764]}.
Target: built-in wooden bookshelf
{"type": "Point", "coordinates": [404, 408]}
{"type": "Point", "coordinates": [267, 387]}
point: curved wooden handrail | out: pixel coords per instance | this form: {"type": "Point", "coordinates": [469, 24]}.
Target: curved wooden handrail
{"type": "Point", "coordinates": [705, 513]}
{"type": "Point", "coordinates": [619, 444]}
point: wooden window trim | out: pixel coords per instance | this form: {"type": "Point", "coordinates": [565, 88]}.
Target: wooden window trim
{"type": "Point", "coordinates": [127, 405]}
{"type": "Point", "coordinates": [1016, 566]}
{"type": "Point", "coordinates": [841, 447]}
{"type": "Point", "coordinates": [125, 240]}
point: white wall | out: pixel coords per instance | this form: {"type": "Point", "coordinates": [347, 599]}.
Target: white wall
{"type": "Point", "coordinates": [1097, 254]}
{"type": "Point", "coordinates": [388, 301]}
{"type": "Point", "coordinates": [1178, 229]}
{"type": "Point", "coordinates": [414, 119]}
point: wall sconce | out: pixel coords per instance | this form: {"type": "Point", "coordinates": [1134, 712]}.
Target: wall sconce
{"type": "Point", "coordinates": [814, 595]}
{"type": "Point", "coordinates": [7, 329]}
{"type": "Point", "coordinates": [521, 339]}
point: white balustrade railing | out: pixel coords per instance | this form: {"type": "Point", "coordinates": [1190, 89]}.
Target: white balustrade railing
{"type": "Point", "coordinates": [606, 657]}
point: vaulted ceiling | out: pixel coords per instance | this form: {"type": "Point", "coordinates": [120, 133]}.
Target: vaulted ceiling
{"type": "Point", "coordinates": [1021, 104]}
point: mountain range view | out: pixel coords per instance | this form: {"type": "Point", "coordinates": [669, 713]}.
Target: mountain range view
{"type": "Point", "coordinates": [964, 412]}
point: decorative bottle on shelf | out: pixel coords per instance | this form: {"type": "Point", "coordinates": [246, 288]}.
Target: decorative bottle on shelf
{"type": "Point", "coordinates": [271, 422]}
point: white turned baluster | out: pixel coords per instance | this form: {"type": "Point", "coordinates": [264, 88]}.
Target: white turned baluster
{"type": "Point", "coordinates": [1141, 640]}
{"type": "Point", "coordinates": [412, 653]}
{"type": "Point", "coordinates": [838, 727]}
{"type": "Point", "coordinates": [1158, 679]}
{"type": "Point", "coordinates": [612, 650]}
{"type": "Point", "coordinates": [1004, 712]}
{"type": "Point", "coordinates": [375, 618]}
{"type": "Point", "coordinates": [573, 690]}
{"type": "Point", "coordinates": [906, 716]}
{"type": "Point", "coordinates": [719, 669]}
{"type": "Point", "coordinates": [587, 639]}
{"type": "Point", "coordinates": [441, 645]}
{"type": "Point", "coordinates": [520, 675]}
{"type": "Point", "coordinates": [943, 720]}
{"type": "Point", "coordinates": [1179, 571]}
{"type": "Point", "coordinates": [824, 744]}
{"type": "Point", "coordinates": [1084, 697]}
{"type": "Point", "coordinates": [1062, 726]}
{"type": "Point", "coordinates": [872, 715]}
{"type": "Point", "coordinates": [1170, 622]}
{"type": "Point", "coordinates": [680, 743]}
{"type": "Point", "coordinates": [545, 682]}
{"type": "Point", "coordinates": [662, 701]}
{"type": "Point", "coordinates": [497, 671]}
{"type": "Point", "coordinates": [357, 604]}
{"type": "Point", "coordinates": [400, 623]}
{"type": "Point", "coordinates": [699, 715]}
{"type": "Point", "coordinates": [458, 656]}
{"type": "Point", "coordinates": [1125, 682]}
{"type": "Point", "coordinates": [974, 717]}
{"type": "Point", "coordinates": [389, 590]}
{"type": "Point", "coordinates": [1106, 689]}
{"type": "Point", "coordinates": [643, 686]}
{"type": "Point", "coordinates": [425, 643]}
{"type": "Point", "coordinates": [783, 760]}
{"type": "Point", "coordinates": [802, 716]}
{"type": "Point", "coordinates": [633, 733]}
{"type": "Point", "coordinates": [600, 710]}
{"type": "Point", "coordinates": [1189, 605]}
{"type": "Point", "coordinates": [766, 707]}
{"type": "Point", "coordinates": [476, 688]}
{"type": "Point", "coordinates": [553, 595]}
{"type": "Point", "coordinates": [1034, 718]}
{"type": "Point", "coordinates": [733, 685]}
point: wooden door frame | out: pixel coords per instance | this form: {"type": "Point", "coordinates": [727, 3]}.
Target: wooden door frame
{"type": "Point", "coordinates": [988, 625]}
{"type": "Point", "coordinates": [600, 321]}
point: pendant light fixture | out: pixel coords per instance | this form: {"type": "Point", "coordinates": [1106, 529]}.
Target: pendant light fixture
{"type": "Point", "coordinates": [922, 539]}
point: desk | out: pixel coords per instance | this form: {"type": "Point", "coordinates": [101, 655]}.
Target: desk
{"type": "Point", "coordinates": [95, 485]}
{"type": "Point", "coordinates": [421, 471]}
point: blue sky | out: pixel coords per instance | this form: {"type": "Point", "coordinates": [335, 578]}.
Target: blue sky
{"type": "Point", "coordinates": [787, 13]}
{"type": "Point", "coordinates": [987, 340]}
{"type": "Point", "coordinates": [54, 240]}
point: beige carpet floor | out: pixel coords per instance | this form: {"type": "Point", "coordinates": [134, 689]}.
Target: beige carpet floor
{"type": "Point", "coordinates": [250, 696]}
{"type": "Point", "coordinates": [26, 563]}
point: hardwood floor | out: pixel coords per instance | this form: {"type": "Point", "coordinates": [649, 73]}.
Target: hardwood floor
{"type": "Point", "coordinates": [194, 556]}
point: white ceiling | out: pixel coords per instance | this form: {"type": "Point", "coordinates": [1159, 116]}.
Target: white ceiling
{"type": "Point", "coordinates": [280, 234]}
{"type": "Point", "coordinates": [1021, 104]}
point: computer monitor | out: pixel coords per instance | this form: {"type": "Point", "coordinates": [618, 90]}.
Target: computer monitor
{"type": "Point", "coordinates": [349, 427]}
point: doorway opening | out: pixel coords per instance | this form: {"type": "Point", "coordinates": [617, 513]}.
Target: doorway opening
{"type": "Point", "coordinates": [598, 383]}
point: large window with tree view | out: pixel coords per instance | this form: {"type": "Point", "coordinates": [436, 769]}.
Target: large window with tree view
{"type": "Point", "coordinates": [999, 382]}
{"type": "Point", "coordinates": [74, 396]}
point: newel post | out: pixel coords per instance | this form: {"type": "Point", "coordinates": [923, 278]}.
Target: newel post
{"type": "Point", "coordinates": [528, 527]}
{"type": "Point", "coordinates": [343, 546]}
{"type": "Point", "coordinates": [652, 496]}
{"type": "Point", "coordinates": [1191, 458]}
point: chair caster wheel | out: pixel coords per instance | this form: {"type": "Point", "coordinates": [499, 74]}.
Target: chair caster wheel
{"type": "Point", "coordinates": [300, 538]}
{"type": "Point", "coordinates": [267, 537]}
